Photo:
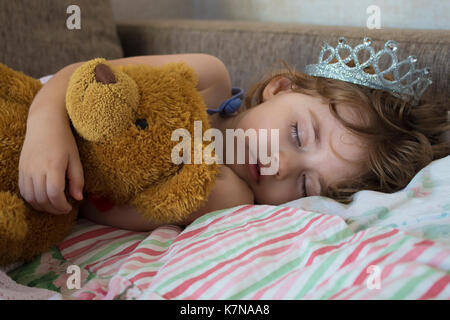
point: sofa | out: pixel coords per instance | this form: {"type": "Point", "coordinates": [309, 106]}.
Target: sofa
{"type": "Point", "coordinates": [34, 38]}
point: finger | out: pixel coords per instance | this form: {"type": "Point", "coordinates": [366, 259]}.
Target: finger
{"type": "Point", "coordinates": [31, 198]}
{"type": "Point", "coordinates": [76, 178]}
{"type": "Point", "coordinates": [55, 191]}
{"type": "Point", "coordinates": [40, 192]}
{"type": "Point", "coordinates": [21, 184]}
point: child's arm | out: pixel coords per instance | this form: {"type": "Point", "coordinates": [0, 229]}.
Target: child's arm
{"type": "Point", "coordinates": [229, 191]}
{"type": "Point", "coordinates": [49, 149]}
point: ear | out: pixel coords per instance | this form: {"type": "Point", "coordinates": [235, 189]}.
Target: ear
{"type": "Point", "coordinates": [276, 85]}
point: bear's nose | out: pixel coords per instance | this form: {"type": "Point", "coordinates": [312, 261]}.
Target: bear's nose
{"type": "Point", "coordinates": [104, 74]}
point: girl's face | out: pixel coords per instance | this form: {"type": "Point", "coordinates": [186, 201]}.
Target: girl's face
{"type": "Point", "coordinates": [315, 149]}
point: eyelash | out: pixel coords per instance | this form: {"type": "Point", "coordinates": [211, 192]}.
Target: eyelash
{"type": "Point", "coordinates": [294, 133]}
{"type": "Point", "coordinates": [305, 194]}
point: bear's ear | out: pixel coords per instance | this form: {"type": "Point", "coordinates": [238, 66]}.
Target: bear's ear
{"type": "Point", "coordinates": [175, 199]}
{"type": "Point", "coordinates": [101, 100]}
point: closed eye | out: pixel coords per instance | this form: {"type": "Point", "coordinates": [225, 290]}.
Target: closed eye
{"type": "Point", "coordinates": [305, 193]}
{"type": "Point", "coordinates": [295, 134]}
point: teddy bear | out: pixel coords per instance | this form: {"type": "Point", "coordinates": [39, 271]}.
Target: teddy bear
{"type": "Point", "coordinates": [122, 118]}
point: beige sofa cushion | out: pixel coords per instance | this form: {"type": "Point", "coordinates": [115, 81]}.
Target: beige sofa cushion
{"type": "Point", "coordinates": [34, 37]}
{"type": "Point", "coordinates": [249, 49]}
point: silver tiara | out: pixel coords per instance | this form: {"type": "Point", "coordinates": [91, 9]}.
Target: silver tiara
{"type": "Point", "coordinates": [411, 84]}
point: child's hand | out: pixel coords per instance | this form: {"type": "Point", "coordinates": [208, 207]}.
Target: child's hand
{"type": "Point", "coordinates": [49, 150]}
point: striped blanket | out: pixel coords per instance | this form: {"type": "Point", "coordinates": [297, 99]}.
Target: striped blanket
{"type": "Point", "coordinates": [269, 252]}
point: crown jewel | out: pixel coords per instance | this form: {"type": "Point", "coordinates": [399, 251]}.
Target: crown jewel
{"type": "Point", "coordinates": [411, 84]}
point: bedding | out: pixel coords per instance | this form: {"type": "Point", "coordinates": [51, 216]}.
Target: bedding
{"type": "Point", "coordinates": [382, 246]}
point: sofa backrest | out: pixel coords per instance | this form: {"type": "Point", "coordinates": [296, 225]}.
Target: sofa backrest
{"type": "Point", "coordinates": [35, 38]}
{"type": "Point", "coordinates": [250, 49]}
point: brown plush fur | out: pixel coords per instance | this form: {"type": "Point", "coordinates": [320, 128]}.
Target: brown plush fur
{"type": "Point", "coordinates": [121, 160]}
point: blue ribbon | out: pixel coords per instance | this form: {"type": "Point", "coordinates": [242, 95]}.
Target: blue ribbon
{"type": "Point", "coordinates": [230, 105]}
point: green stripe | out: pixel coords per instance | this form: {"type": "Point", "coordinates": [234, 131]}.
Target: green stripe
{"type": "Point", "coordinates": [333, 239]}
{"type": "Point", "coordinates": [337, 286]}
{"type": "Point", "coordinates": [108, 249]}
{"type": "Point", "coordinates": [317, 275]}
{"type": "Point", "coordinates": [227, 254]}
{"type": "Point", "coordinates": [218, 229]}
{"type": "Point", "coordinates": [340, 281]}
{"type": "Point", "coordinates": [337, 237]}
{"type": "Point", "coordinates": [409, 287]}
{"type": "Point", "coordinates": [269, 278]}
{"type": "Point", "coordinates": [162, 244]}
{"type": "Point", "coordinates": [288, 267]}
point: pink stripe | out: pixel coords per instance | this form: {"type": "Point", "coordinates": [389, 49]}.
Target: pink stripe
{"type": "Point", "coordinates": [206, 285]}
{"type": "Point", "coordinates": [227, 234]}
{"type": "Point", "coordinates": [352, 257]}
{"type": "Point", "coordinates": [80, 251]}
{"type": "Point", "coordinates": [180, 257]}
{"type": "Point", "coordinates": [194, 232]}
{"type": "Point", "coordinates": [363, 274]}
{"type": "Point", "coordinates": [113, 258]}
{"type": "Point", "coordinates": [185, 285]}
{"type": "Point", "coordinates": [377, 248]}
{"type": "Point", "coordinates": [258, 295]}
{"type": "Point", "coordinates": [167, 232]}
{"type": "Point", "coordinates": [258, 210]}
{"type": "Point", "coordinates": [287, 284]}
{"type": "Point", "coordinates": [323, 227]}
{"type": "Point", "coordinates": [86, 296]}
{"type": "Point", "coordinates": [248, 271]}
{"type": "Point", "coordinates": [210, 249]}
{"type": "Point", "coordinates": [438, 258]}
{"type": "Point", "coordinates": [436, 288]}
{"type": "Point", "coordinates": [150, 252]}
{"type": "Point", "coordinates": [133, 267]}
{"type": "Point", "coordinates": [143, 275]}
{"type": "Point", "coordinates": [85, 236]}
{"type": "Point", "coordinates": [141, 259]}
{"type": "Point", "coordinates": [326, 249]}
{"type": "Point", "coordinates": [409, 270]}
{"type": "Point", "coordinates": [411, 255]}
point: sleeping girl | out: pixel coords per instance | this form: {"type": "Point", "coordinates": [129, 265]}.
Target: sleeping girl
{"type": "Point", "coordinates": [344, 126]}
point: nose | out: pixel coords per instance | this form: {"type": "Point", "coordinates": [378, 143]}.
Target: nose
{"type": "Point", "coordinates": [104, 74]}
